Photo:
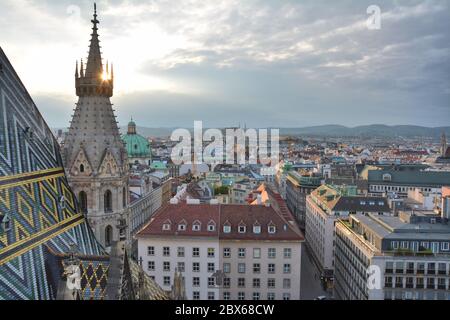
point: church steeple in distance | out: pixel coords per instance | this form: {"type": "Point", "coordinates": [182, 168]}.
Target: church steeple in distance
{"type": "Point", "coordinates": [94, 80]}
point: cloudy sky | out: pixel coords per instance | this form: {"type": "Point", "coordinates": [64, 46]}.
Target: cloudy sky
{"type": "Point", "coordinates": [259, 62]}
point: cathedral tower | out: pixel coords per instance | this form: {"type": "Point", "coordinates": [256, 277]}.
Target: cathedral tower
{"type": "Point", "coordinates": [95, 157]}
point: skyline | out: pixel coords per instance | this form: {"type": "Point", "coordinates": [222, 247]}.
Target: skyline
{"type": "Point", "coordinates": [244, 70]}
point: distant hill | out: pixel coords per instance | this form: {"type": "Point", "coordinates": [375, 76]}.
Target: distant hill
{"type": "Point", "coordinates": [375, 130]}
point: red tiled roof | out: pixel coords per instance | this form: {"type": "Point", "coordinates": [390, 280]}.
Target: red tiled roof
{"type": "Point", "coordinates": [220, 214]}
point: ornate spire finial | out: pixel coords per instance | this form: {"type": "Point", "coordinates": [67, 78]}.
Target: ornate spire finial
{"type": "Point", "coordinates": [76, 70]}
{"type": "Point", "coordinates": [95, 21]}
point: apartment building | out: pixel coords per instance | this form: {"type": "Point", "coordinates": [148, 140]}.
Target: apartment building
{"type": "Point", "coordinates": [324, 206]}
{"type": "Point", "coordinates": [388, 257]}
{"type": "Point", "coordinates": [297, 188]}
{"type": "Point", "coordinates": [237, 252]}
{"type": "Point", "coordinates": [401, 181]}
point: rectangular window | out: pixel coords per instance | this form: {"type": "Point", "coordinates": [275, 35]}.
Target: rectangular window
{"type": "Point", "coordinates": [151, 266]}
{"type": "Point", "coordinates": [180, 266]}
{"type": "Point", "coordinates": [150, 251]}
{"type": "Point", "coordinates": [226, 252]}
{"type": "Point", "coordinates": [196, 252]}
{"type": "Point", "coordinates": [226, 268]}
{"type": "Point", "coordinates": [226, 282]}
{"type": "Point", "coordinates": [180, 252]}
{"type": "Point", "coordinates": [211, 252]}
{"type": "Point", "coordinates": [286, 283]}
{"type": "Point", "coordinates": [272, 253]}
{"type": "Point", "coordinates": [241, 295]}
{"type": "Point", "coordinates": [256, 295]}
{"type": "Point", "coordinates": [271, 268]}
{"type": "Point", "coordinates": [270, 296]}
{"type": "Point", "coordinates": [445, 246]}
{"type": "Point", "coordinates": [211, 267]}
{"type": "Point", "coordinates": [287, 252]}
{"type": "Point", "coordinates": [196, 267]}
{"type": "Point", "coordinates": [241, 252]}
{"type": "Point", "coordinates": [211, 295]}
{"type": "Point", "coordinates": [166, 251]}
{"type": "Point", "coordinates": [166, 281]}
{"type": "Point", "coordinates": [256, 282]}
{"type": "Point", "coordinates": [166, 266]}
{"type": "Point", "coordinates": [256, 268]}
{"type": "Point", "coordinates": [211, 282]}
{"type": "Point", "coordinates": [287, 268]}
{"type": "Point", "coordinates": [196, 295]}
{"type": "Point", "coordinates": [226, 295]}
{"type": "Point", "coordinates": [286, 296]}
{"type": "Point", "coordinates": [196, 282]}
{"type": "Point", "coordinates": [241, 267]}
{"type": "Point", "coordinates": [271, 283]}
{"type": "Point", "coordinates": [256, 253]}
{"type": "Point", "coordinates": [241, 282]}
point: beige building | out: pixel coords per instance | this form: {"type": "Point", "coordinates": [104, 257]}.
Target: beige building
{"type": "Point", "coordinates": [324, 206]}
{"type": "Point", "coordinates": [237, 252]}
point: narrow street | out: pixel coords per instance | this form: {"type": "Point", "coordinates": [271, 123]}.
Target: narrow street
{"type": "Point", "coordinates": [311, 287]}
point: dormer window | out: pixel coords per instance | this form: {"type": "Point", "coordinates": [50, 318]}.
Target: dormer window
{"type": "Point", "coordinates": [387, 177]}
{"type": "Point", "coordinates": [257, 228]}
{"type": "Point", "coordinates": [6, 223]}
{"type": "Point", "coordinates": [226, 227]}
{"type": "Point", "coordinates": [182, 226]}
{"type": "Point", "coordinates": [211, 226]}
{"type": "Point", "coordinates": [167, 225]}
{"type": "Point", "coordinates": [196, 226]}
{"type": "Point", "coordinates": [271, 228]}
{"type": "Point", "coordinates": [242, 228]}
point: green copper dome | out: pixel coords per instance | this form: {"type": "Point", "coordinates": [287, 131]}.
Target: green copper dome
{"type": "Point", "coordinates": [137, 146]}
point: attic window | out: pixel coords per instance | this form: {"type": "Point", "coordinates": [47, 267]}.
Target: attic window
{"type": "Point", "coordinates": [272, 229]}
{"type": "Point", "coordinates": [211, 226]}
{"type": "Point", "coordinates": [182, 227]}
{"type": "Point", "coordinates": [226, 228]}
{"type": "Point", "coordinates": [256, 229]}
{"type": "Point", "coordinates": [196, 226]}
{"type": "Point", "coordinates": [166, 226]}
{"type": "Point", "coordinates": [242, 228]}
{"type": "Point", "coordinates": [381, 203]}
{"type": "Point", "coordinates": [387, 177]}
{"type": "Point", "coordinates": [6, 223]}
{"type": "Point", "coordinates": [363, 203]}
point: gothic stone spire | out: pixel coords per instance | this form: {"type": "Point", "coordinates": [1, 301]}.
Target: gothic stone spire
{"type": "Point", "coordinates": [94, 80]}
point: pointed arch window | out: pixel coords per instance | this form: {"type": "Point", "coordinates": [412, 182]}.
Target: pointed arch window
{"type": "Point", "coordinates": [82, 201]}
{"type": "Point", "coordinates": [82, 168]}
{"type": "Point", "coordinates": [124, 197]}
{"type": "Point", "coordinates": [108, 201]}
{"type": "Point", "coordinates": [108, 236]}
